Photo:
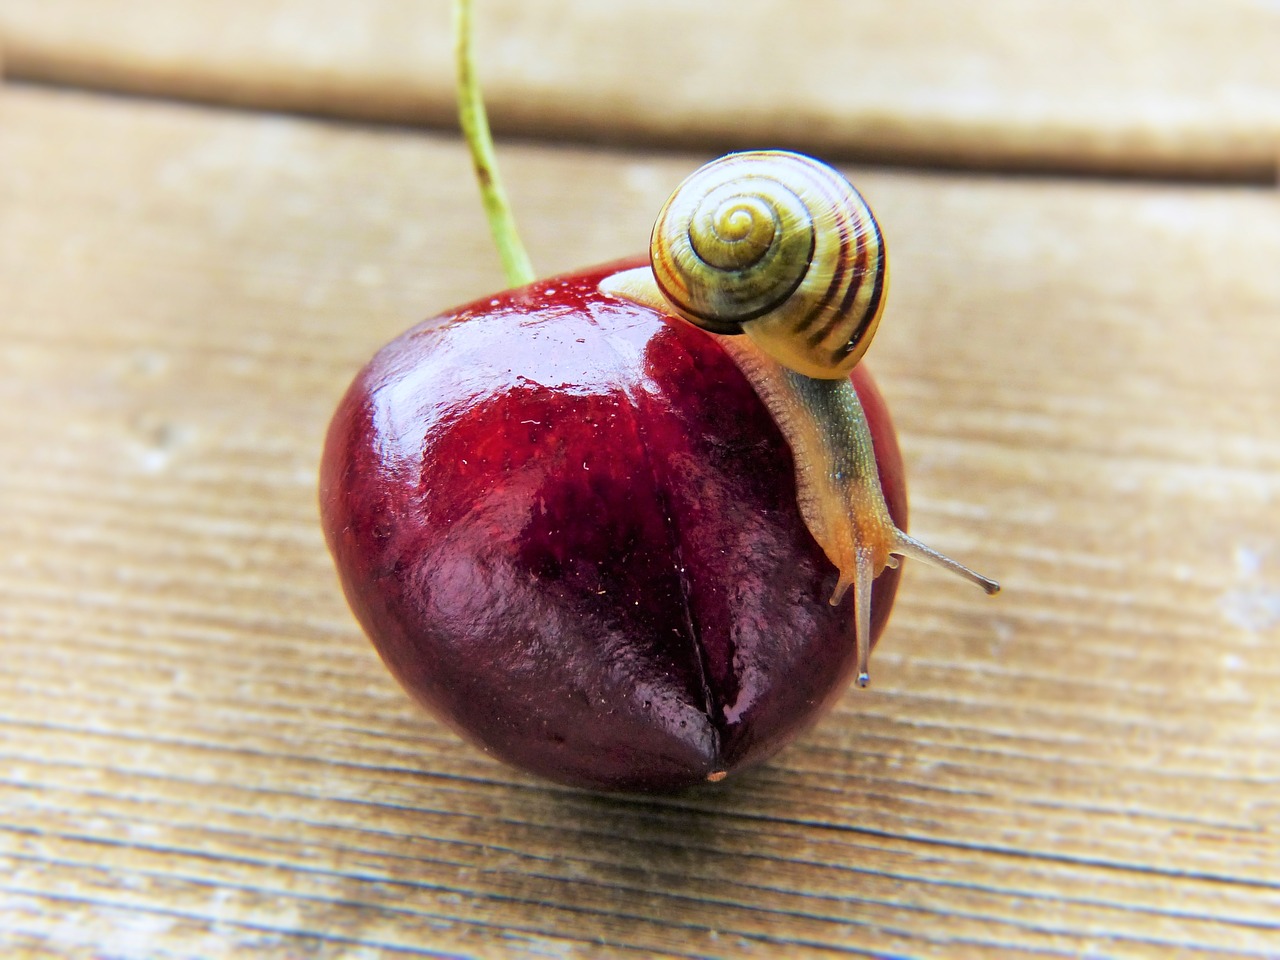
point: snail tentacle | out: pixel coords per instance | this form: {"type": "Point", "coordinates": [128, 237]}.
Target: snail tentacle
{"type": "Point", "coordinates": [863, 579]}
{"type": "Point", "coordinates": [908, 546]}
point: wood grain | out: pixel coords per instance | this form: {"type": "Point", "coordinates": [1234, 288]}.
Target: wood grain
{"type": "Point", "coordinates": [1171, 87]}
{"type": "Point", "coordinates": [201, 756]}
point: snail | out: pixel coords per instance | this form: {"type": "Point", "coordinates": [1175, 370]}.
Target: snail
{"type": "Point", "coordinates": [781, 258]}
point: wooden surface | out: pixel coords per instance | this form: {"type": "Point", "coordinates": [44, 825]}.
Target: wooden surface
{"type": "Point", "coordinates": [200, 755]}
{"type": "Point", "coordinates": [1171, 87]}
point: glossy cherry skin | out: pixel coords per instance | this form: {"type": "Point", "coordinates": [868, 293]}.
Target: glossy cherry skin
{"type": "Point", "coordinates": [570, 528]}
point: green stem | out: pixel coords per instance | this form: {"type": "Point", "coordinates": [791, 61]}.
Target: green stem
{"type": "Point", "coordinates": [475, 129]}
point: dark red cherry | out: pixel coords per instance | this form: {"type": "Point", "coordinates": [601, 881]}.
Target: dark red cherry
{"type": "Point", "coordinates": [570, 528]}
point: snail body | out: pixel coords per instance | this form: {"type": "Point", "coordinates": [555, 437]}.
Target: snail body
{"type": "Point", "coordinates": [781, 248]}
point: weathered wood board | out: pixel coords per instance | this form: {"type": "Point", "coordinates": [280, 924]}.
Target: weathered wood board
{"type": "Point", "coordinates": [200, 755]}
{"type": "Point", "coordinates": [1166, 87]}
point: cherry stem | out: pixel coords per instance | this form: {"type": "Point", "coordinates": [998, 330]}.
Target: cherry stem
{"type": "Point", "coordinates": [475, 130]}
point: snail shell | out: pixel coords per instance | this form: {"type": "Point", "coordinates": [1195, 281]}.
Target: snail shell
{"type": "Point", "coordinates": [778, 246]}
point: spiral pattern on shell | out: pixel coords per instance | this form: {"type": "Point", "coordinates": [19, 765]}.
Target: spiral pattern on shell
{"type": "Point", "coordinates": [781, 247]}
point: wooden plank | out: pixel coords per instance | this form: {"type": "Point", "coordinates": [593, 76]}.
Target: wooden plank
{"type": "Point", "coordinates": [200, 754]}
{"type": "Point", "coordinates": [1170, 87]}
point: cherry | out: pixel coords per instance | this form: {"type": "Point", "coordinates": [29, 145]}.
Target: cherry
{"type": "Point", "coordinates": [569, 526]}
